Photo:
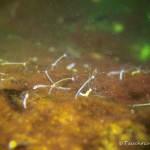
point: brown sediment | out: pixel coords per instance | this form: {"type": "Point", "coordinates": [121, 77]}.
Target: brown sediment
{"type": "Point", "coordinates": [57, 121]}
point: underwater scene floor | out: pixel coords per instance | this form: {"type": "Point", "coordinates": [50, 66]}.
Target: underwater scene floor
{"type": "Point", "coordinates": [66, 84]}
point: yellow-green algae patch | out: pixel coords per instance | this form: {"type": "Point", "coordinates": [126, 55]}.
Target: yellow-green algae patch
{"type": "Point", "coordinates": [74, 124]}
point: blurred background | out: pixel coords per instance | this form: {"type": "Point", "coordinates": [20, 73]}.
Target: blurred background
{"type": "Point", "coordinates": [112, 28]}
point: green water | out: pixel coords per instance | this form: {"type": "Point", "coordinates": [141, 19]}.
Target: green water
{"type": "Point", "coordinates": [116, 28]}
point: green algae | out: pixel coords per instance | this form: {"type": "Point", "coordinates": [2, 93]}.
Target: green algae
{"type": "Point", "coordinates": [118, 27]}
{"type": "Point", "coordinates": [145, 53]}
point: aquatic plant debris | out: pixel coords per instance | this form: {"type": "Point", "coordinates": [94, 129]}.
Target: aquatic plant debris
{"type": "Point", "coordinates": [117, 72]}
{"type": "Point", "coordinates": [71, 66]}
{"type": "Point", "coordinates": [54, 84]}
{"type": "Point", "coordinates": [75, 99]}
{"type": "Point", "coordinates": [4, 77]}
{"type": "Point", "coordinates": [5, 63]}
{"type": "Point", "coordinates": [25, 100]}
{"type": "Point", "coordinates": [12, 145]}
{"type": "Point", "coordinates": [87, 93]}
{"type": "Point", "coordinates": [55, 63]}
{"type": "Point", "coordinates": [58, 84]}
{"type": "Point", "coordinates": [78, 92]}
{"type": "Point", "coordinates": [107, 35]}
{"type": "Point", "coordinates": [140, 105]}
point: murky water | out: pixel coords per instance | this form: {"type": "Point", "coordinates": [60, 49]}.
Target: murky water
{"type": "Point", "coordinates": [74, 74]}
